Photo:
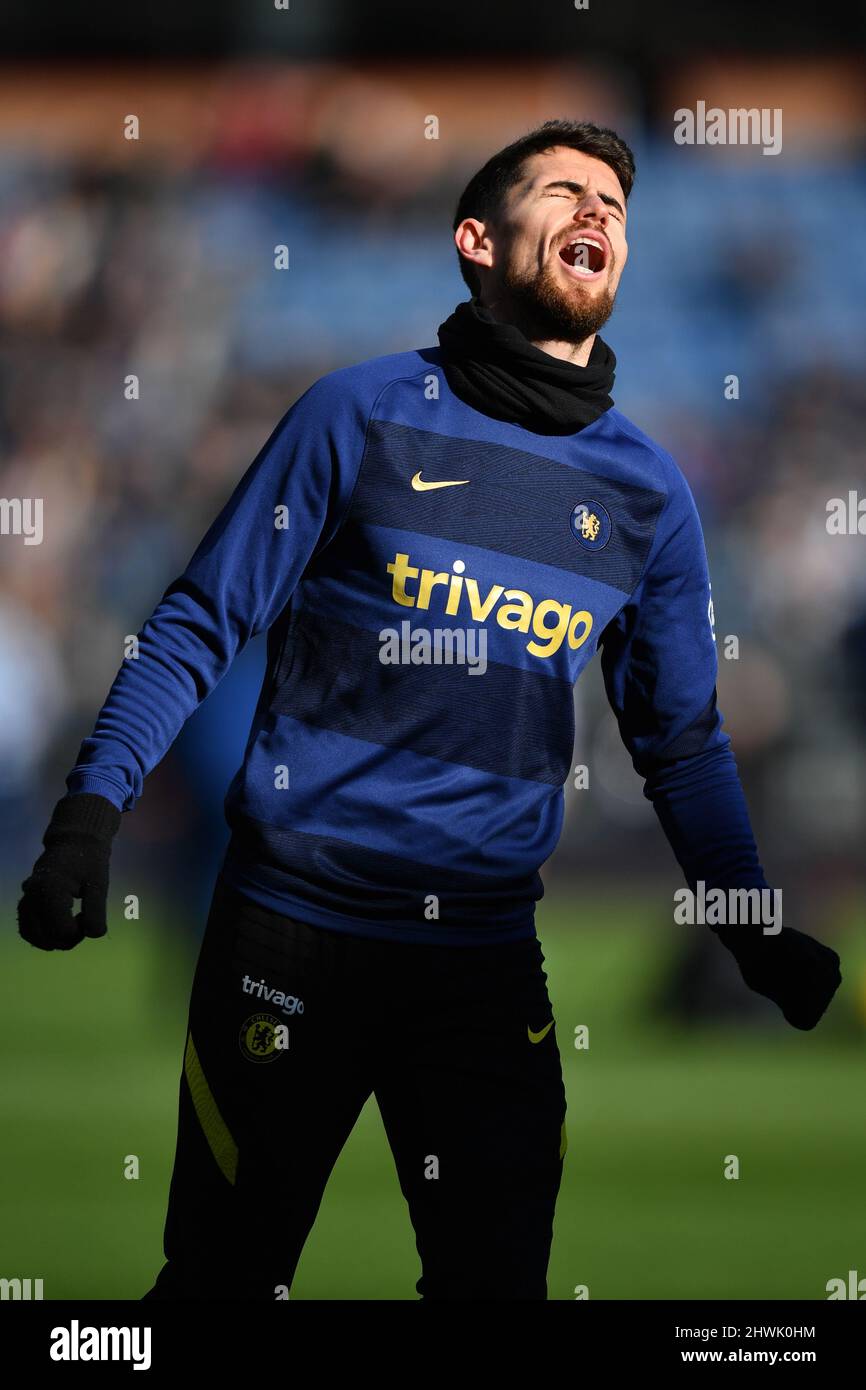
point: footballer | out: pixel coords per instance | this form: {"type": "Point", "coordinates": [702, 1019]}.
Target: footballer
{"type": "Point", "coordinates": [372, 925]}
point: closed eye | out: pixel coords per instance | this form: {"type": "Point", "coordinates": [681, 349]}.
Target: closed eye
{"type": "Point", "coordinates": [552, 193]}
{"type": "Point", "coordinates": [568, 188]}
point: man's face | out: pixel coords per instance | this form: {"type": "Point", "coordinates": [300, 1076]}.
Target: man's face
{"type": "Point", "coordinates": [557, 248]}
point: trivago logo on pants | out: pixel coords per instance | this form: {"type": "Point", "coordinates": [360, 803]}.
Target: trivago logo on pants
{"type": "Point", "coordinates": [287, 1003]}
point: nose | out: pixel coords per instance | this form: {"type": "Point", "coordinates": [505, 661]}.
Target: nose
{"type": "Point", "coordinates": [592, 207]}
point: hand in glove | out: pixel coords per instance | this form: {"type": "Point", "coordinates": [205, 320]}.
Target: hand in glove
{"type": "Point", "coordinates": [73, 865]}
{"type": "Point", "coordinates": [798, 973]}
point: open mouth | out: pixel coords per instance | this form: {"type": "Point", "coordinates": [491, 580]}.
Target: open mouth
{"type": "Point", "coordinates": [585, 256]}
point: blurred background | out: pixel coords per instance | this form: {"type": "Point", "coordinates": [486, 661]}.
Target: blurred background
{"type": "Point", "coordinates": [307, 126]}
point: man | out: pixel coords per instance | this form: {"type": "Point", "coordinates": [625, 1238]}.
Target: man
{"type": "Point", "coordinates": [372, 929]}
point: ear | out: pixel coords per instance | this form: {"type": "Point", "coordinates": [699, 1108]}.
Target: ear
{"type": "Point", "coordinates": [474, 242]}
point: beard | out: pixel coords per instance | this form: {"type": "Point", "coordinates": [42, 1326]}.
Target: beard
{"type": "Point", "coordinates": [543, 308]}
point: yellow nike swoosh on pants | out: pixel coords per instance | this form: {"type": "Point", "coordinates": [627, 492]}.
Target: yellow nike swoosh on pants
{"type": "Point", "coordinates": [536, 1037]}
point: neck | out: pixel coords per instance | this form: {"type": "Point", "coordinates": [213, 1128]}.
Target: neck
{"type": "Point", "coordinates": [578, 353]}
{"type": "Point", "coordinates": [566, 350]}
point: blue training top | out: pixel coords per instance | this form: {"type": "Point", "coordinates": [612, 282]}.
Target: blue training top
{"type": "Point", "coordinates": [385, 791]}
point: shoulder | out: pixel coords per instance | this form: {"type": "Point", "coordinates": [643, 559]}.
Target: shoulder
{"type": "Point", "coordinates": [660, 468]}
{"type": "Point", "coordinates": [360, 386]}
{"type": "Point", "coordinates": [331, 417]}
{"type": "Point", "coordinates": [656, 468]}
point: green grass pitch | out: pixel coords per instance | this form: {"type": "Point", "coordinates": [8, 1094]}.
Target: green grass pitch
{"type": "Point", "coordinates": [92, 1044]}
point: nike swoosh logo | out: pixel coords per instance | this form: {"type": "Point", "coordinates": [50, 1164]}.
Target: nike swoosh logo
{"type": "Point", "coordinates": [419, 486]}
{"type": "Point", "coordinates": [536, 1037]}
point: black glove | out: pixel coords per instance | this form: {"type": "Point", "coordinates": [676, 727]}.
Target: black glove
{"type": "Point", "coordinates": [798, 973]}
{"type": "Point", "coordinates": [73, 865]}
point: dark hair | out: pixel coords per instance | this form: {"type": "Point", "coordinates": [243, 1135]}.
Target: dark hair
{"type": "Point", "coordinates": [485, 192]}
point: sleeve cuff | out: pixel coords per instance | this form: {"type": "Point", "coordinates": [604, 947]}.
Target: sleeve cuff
{"type": "Point", "coordinates": [86, 813]}
{"type": "Point", "coordinates": [91, 782]}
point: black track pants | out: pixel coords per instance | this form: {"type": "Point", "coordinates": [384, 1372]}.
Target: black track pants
{"type": "Point", "coordinates": [453, 1041]}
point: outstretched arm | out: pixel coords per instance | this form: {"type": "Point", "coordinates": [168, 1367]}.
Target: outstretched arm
{"type": "Point", "coordinates": [660, 667]}
{"type": "Point", "coordinates": [240, 579]}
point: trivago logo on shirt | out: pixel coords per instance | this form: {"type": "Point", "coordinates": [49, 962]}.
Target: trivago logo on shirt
{"type": "Point", "coordinates": [549, 620]}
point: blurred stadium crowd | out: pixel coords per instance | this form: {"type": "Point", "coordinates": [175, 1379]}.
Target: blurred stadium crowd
{"type": "Point", "coordinates": [164, 268]}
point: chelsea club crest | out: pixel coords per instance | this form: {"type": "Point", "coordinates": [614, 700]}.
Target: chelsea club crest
{"type": "Point", "coordinates": [591, 525]}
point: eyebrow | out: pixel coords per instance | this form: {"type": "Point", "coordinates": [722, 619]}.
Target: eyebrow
{"type": "Point", "coordinates": [581, 188]}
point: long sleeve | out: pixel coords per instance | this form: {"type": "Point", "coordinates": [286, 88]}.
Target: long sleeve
{"type": "Point", "coordinates": [660, 667]}
{"type": "Point", "coordinates": [239, 580]}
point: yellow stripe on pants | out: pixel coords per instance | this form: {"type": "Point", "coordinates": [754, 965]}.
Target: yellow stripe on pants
{"type": "Point", "coordinates": [216, 1131]}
